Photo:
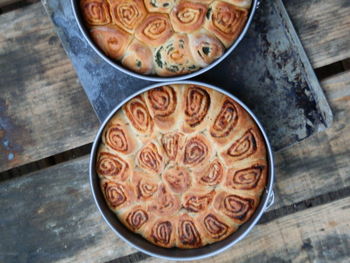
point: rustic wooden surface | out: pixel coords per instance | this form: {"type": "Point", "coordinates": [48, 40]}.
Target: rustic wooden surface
{"type": "Point", "coordinates": [49, 215]}
{"type": "Point", "coordinates": [62, 208]}
{"type": "Point", "coordinates": [323, 27]}
{"type": "Point", "coordinates": [43, 110]}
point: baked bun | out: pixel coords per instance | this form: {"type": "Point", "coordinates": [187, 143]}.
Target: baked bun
{"type": "Point", "coordinates": [164, 37]}
{"type": "Point", "coordinates": [182, 165]}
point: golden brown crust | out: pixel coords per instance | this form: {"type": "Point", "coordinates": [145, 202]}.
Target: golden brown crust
{"type": "Point", "coordinates": [127, 14]}
{"type": "Point", "coordinates": [226, 21]}
{"type": "Point", "coordinates": [240, 3]}
{"type": "Point", "coordinates": [160, 6]}
{"type": "Point", "coordinates": [188, 16]}
{"type": "Point", "coordinates": [154, 30]}
{"type": "Point", "coordinates": [95, 12]}
{"type": "Point", "coordinates": [138, 57]}
{"type": "Point", "coordinates": [182, 165]}
{"type": "Point", "coordinates": [174, 57]}
{"type": "Point", "coordinates": [111, 39]}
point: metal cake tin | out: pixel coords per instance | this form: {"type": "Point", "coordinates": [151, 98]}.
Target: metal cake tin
{"type": "Point", "coordinates": [119, 66]}
{"type": "Point", "coordinates": [145, 246]}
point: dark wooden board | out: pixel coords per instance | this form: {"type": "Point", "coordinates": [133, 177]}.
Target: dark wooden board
{"type": "Point", "coordinates": [54, 209]}
{"type": "Point", "coordinates": [43, 109]}
{"type": "Point", "coordinates": [269, 71]}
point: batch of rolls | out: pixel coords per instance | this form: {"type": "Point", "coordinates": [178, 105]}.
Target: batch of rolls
{"type": "Point", "coordinates": [164, 37]}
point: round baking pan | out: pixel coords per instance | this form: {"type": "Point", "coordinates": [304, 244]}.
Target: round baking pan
{"type": "Point", "coordinates": [79, 18]}
{"type": "Point", "coordinates": [145, 246]}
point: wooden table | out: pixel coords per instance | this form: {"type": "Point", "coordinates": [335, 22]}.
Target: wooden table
{"type": "Point", "coordinates": [47, 213]}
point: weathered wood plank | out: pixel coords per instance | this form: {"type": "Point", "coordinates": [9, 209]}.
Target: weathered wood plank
{"type": "Point", "coordinates": [323, 27]}
{"type": "Point", "coordinates": [337, 87]}
{"type": "Point", "coordinates": [319, 234]}
{"type": "Point", "coordinates": [61, 208]}
{"type": "Point", "coordinates": [7, 2]}
{"type": "Point", "coordinates": [43, 109]}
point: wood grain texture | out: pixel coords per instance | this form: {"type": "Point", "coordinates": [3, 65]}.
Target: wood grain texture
{"type": "Point", "coordinates": [338, 86]}
{"type": "Point", "coordinates": [61, 208]}
{"type": "Point", "coordinates": [43, 109]}
{"type": "Point", "coordinates": [323, 27]}
{"type": "Point", "coordinates": [319, 234]}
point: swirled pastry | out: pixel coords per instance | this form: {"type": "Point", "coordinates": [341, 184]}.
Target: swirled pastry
{"type": "Point", "coordinates": [226, 21]}
{"type": "Point", "coordinates": [111, 39]}
{"type": "Point", "coordinates": [95, 12]}
{"type": "Point", "coordinates": [182, 165]}
{"type": "Point", "coordinates": [164, 37]}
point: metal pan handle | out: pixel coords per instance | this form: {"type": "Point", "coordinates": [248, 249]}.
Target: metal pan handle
{"type": "Point", "coordinates": [270, 200]}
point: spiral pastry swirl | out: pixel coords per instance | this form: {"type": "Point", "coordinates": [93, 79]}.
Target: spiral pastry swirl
{"type": "Point", "coordinates": [237, 207]}
{"type": "Point", "coordinates": [115, 194]}
{"type": "Point", "coordinates": [226, 21]}
{"type": "Point", "coordinates": [244, 146]}
{"type": "Point", "coordinates": [188, 233]}
{"type": "Point", "coordinates": [188, 16]}
{"type": "Point", "coordinates": [137, 218]}
{"type": "Point", "coordinates": [196, 151]}
{"type": "Point", "coordinates": [171, 144]}
{"type": "Point", "coordinates": [161, 233]}
{"type": "Point", "coordinates": [174, 57]}
{"type": "Point", "coordinates": [197, 103]}
{"type": "Point", "coordinates": [138, 115]}
{"type": "Point", "coordinates": [95, 12]}
{"type": "Point", "coordinates": [115, 137]}
{"type": "Point", "coordinates": [198, 202]}
{"type": "Point", "coordinates": [146, 189]}
{"type": "Point", "coordinates": [154, 30]}
{"type": "Point", "coordinates": [225, 121]}
{"type": "Point", "coordinates": [150, 159]}
{"type": "Point", "coordinates": [111, 165]}
{"type": "Point", "coordinates": [138, 58]}
{"type": "Point", "coordinates": [127, 14]}
{"type": "Point", "coordinates": [245, 179]}
{"type": "Point", "coordinates": [178, 179]}
{"type": "Point", "coordinates": [162, 101]}
{"type": "Point", "coordinates": [215, 227]}
{"type": "Point", "coordinates": [213, 175]}
{"type": "Point", "coordinates": [111, 39]}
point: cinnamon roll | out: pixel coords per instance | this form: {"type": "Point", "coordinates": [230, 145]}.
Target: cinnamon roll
{"type": "Point", "coordinates": [111, 39]}
{"type": "Point", "coordinates": [197, 151]}
{"type": "Point", "coordinates": [174, 57]}
{"type": "Point", "coordinates": [172, 144]}
{"type": "Point", "coordinates": [212, 174]}
{"type": "Point", "coordinates": [136, 218]}
{"type": "Point", "coordinates": [162, 102]}
{"type": "Point", "coordinates": [160, 6]}
{"type": "Point", "coordinates": [117, 195]}
{"type": "Point", "coordinates": [138, 57]}
{"type": "Point", "coordinates": [137, 112]}
{"type": "Point", "coordinates": [150, 158]}
{"type": "Point", "coordinates": [226, 21]}
{"type": "Point", "coordinates": [238, 208]}
{"type": "Point", "coordinates": [188, 16]}
{"type": "Point", "coordinates": [154, 30]}
{"type": "Point", "coordinates": [250, 178]}
{"type": "Point", "coordinates": [205, 48]}
{"type": "Point", "coordinates": [145, 184]}
{"type": "Point", "coordinates": [95, 12]}
{"type": "Point", "coordinates": [188, 235]}
{"type": "Point", "coordinates": [163, 232]}
{"type": "Point", "coordinates": [112, 166]}
{"type": "Point", "coordinates": [127, 14]}
{"type": "Point", "coordinates": [178, 179]}
{"type": "Point", "coordinates": [196, 103]}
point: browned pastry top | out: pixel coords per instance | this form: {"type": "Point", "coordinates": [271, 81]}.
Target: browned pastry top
{"type": "Point", "coordinates": [182, 165]}
{"type": "Point", "coordinates": [164, 37]}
